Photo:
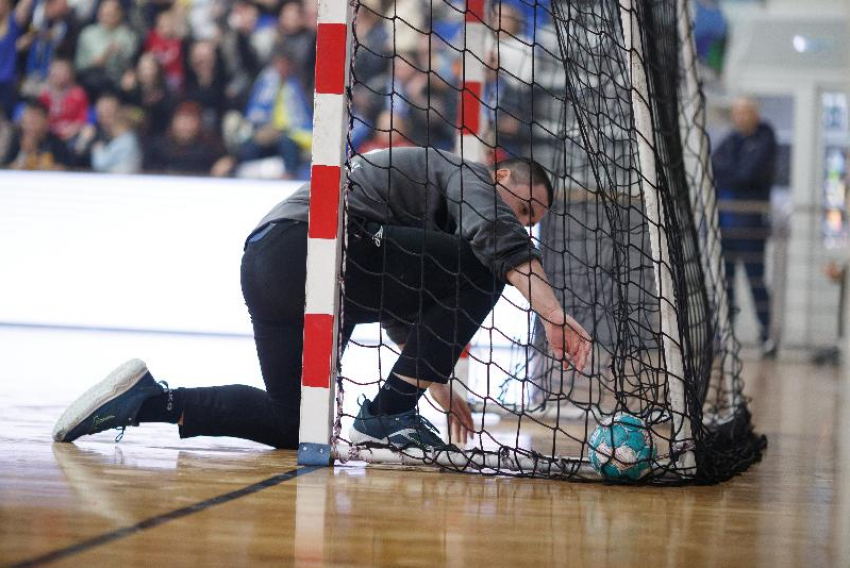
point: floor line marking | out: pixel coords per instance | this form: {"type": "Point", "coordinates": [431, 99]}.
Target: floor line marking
{"type": "Point", "coordinates": [158, 520]}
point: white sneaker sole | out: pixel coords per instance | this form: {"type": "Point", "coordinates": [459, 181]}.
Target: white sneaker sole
{"type": "Point", "coordinates": [115, 384]}
{"type": "Point", "coordinates": [359, 438]}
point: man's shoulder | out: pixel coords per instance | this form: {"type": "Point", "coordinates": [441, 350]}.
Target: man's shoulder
{"type": "Point", "coordinates": [765, 131]}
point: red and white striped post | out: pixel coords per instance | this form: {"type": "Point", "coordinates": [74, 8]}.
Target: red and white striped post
{"type": "Point", "coordinates": [324, 242]}
{"type": "Point", "coordinates": [470, 143]}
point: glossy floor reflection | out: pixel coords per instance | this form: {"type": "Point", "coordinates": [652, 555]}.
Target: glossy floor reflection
{"type": "Point", "coordinates": [790, 510]}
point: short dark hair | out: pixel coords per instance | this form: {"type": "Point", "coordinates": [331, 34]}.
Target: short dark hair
{"type": "Point", "coordinates": [530, 172]}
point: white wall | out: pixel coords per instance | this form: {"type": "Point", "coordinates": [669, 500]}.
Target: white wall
{"type": "Point", "coordinates": [137, 252]}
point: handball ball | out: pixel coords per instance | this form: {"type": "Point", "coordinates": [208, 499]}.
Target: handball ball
{"type": "Point", "coordinates": [621, 447]}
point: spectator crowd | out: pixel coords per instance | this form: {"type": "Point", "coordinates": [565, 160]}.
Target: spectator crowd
{"type": "Point", "coordinates": [217, 87]}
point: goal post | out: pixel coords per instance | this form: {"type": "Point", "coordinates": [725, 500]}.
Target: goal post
{"type": "Point", "coordinates": [325, 232]}
{"type": "Point", "coordinates": [658, 235]}
{"type": "Point", "coordinates": [603, 95]}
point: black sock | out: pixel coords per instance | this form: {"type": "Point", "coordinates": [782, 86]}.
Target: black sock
{"type": "Point", "coordinates": [165, 407]}
{"type": "Point", "coordinates": [395, 397]}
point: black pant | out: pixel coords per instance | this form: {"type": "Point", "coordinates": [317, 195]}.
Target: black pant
{"type": "Point", "coordinates": [428, 281]}
{"type": "Point", "coordinates": [745, 241]}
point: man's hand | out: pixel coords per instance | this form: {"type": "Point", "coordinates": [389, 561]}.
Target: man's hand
{"type": "Point", "coordinates": [461, 427]}
{"type": "Point", "coordinates": [567, 339]}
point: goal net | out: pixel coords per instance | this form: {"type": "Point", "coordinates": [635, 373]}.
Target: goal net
{"type": "Point", "coordinates": [604, 94]}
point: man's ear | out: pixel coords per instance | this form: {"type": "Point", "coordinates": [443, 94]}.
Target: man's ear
{"type": "Point", "coordinates": [503, 175]}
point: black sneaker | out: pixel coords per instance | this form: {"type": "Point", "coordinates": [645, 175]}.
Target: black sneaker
{"type": "Point", "coordinates": [112, 403]}
{"type": "Point", "coordinates": [398, 431]}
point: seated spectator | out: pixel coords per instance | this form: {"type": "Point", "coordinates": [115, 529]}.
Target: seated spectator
{"type": "Point", "coordinates": [373, 56]}
{"type": "Point", "coordinates": [293, 29]}
{"type": "Point", "coordinates": [389, 132]}
{"type": "Point", "coordinates": [66, 102]}
{"type": "Point", "coordinates": [165, 42]}
{"type": "Point", "coordinates": [34, 147]}
{"type": "Point", "coordinates": [105, 111]}
{"type": "Point", "coordinates": [105, 49]}
{"type": "Point", "coordinates": [53, 34]}
{"type": "Point", "coordinates": [281, 116]}
{"type": "Point", "coordinates": [205, 83]}
{"type": "Point", "coordinates": [507, 20]}
{"type": "Point", "coordinates": [240, 59]}
{"type": "Point", "coordinates": [202, 16]}
{"type": "Point", "coordinates": [366, 105]}
{"type": "Point", "coordinates": [187, 148]}
{"type": "Point", "coordinates": [120, 152]}
{"type": "Point", "coordinates": [144, 88]}
{"type": "Point", "coordinates": [410, 98]}
{"type": "Point", "coordinates": [12, 25]}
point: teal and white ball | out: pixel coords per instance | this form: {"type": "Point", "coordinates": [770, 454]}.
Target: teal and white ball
{"type": "Point", "coordinates": [621, 447]}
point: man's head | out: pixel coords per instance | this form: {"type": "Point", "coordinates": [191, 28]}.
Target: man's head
{"type": "Point", "coordinates": [166, 25]}
{"type": "Point", "coordinates": [106, 109]}
{"type": "Point", "coordinates": [110, 14]}
{"type": "Point", "coordinates": [745, 115]}
{"type": "Point", "coordinates": [61, 74]}
{"type": "Point", "coordinates": [202, 57]}
{"type": "Point", "coordinates": [34, 120]}
{"type": "Point", "coordinates": [525, 187]}
{"type": "Point", "coordinates": [186, 122]}
{"type": "Point", "coordinates": [149, 70]}
{"type": "Point", "coordinates": [290, 19]}
{"type": "Point", "coordinates": [283, 59]}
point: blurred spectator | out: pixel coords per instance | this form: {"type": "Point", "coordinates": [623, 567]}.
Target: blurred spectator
{"type": "Point", "coordinates": [311, 14]}
{"type": "Point", "coordinates": [281, 115]}
{"type": "Point", "coordinates": [187, 148]}
{"type": "Point", "coordinates": [84, 10]}
{"type": "Point", "coordinates": [389, 132]}
{"type": "Point", "coordinates": [411, 98]}
{"type": "Point", "coordinates": [201, 17]}
{"type": "Point", "coordinates": [506, 113]}
{"type": "Point", "coordinates": [206, 82]}
{"type": "Point", "coordinates": [53, 34]}
{"type": "Point", "coordinates": [105, 110]}
{"type": "Point", "coordinates": [365, 106]}
{"type": "Point", "coordinates": [144, 14]}
{"type": "Point", "coordinates": [409, 21]}
{"type": "Point", "coordinates": [744, 166]}
{"type": "Point", "coordinates": [531, 15]}
{"type": "Point", "coordinates": [120, 152]}
{"type": "Point", "coordinates": [12, 23]}
{"type": "Point", "coordinates": [34, 147]}
{"type": "Point", "coordinates": [292, 28]}
{"type": "Point", "coordinates": [165, 42]}
{"type": "Point", "coordinates": [241, 63]}
{"type": "Point", "coordinates": [507, 20]}
{"type": "Point", "coordinates": [66, 102]}
{"type": "Point", "coordinates": [373, 45]}
{"type": "Point", "coordinates": [105, 49]}
{"type": "Point", "coordinates": [144, 87]}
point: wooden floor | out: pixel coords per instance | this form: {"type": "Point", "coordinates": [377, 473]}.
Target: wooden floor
{"type": "Point", "coordinates": [153, 500]}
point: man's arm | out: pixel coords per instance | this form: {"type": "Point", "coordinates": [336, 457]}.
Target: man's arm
{"type": "Point", "coordinates": [567, 338]}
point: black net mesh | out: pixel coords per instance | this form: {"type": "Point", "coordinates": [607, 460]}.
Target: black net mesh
{"type": "Point", "coordinates": [630, 244]}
